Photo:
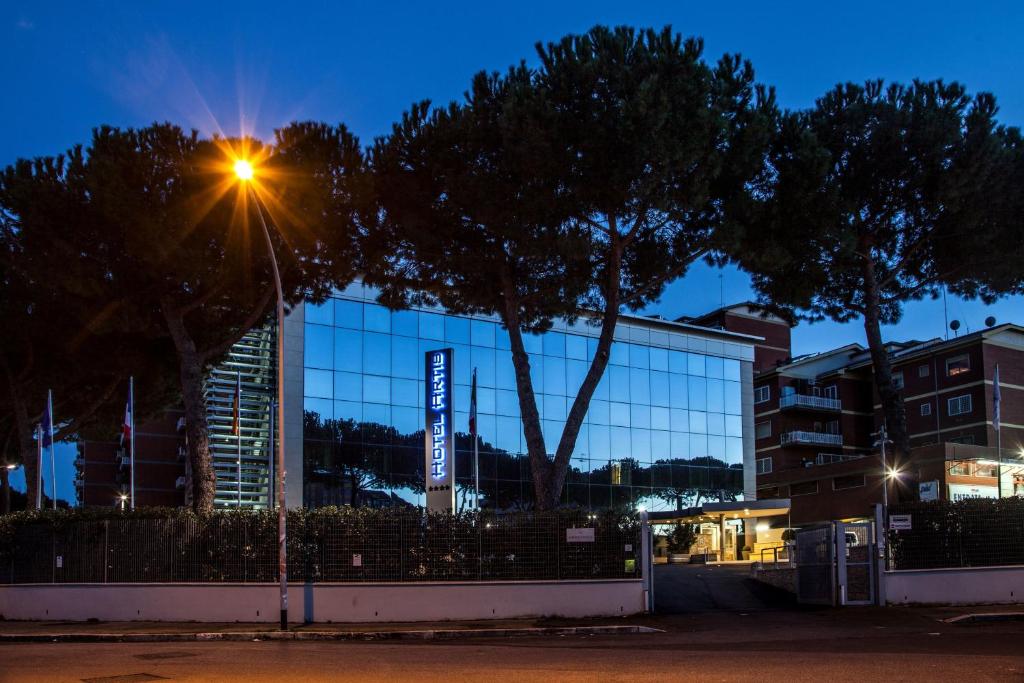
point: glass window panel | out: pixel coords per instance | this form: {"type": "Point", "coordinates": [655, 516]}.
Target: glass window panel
{"type": "Point", "coordinates": [716, 447]}
{"type": "Point", "coordinates": [640, 444]}
{"type": "Point", "coordinates": [575, 347]}
{"type": "Point", "coordinates": [507, 402]}
{"type": "Point", "coordinates": [678, 391]}
{"type": "Point", "coordinates": [601, 391]}
{"type": "Point", "coordinates": [501, 339]}
{"type": "Point", "coordinates": [619, 382]}
{"type": "Point", "coordinates": [640, 386]}
{"type": "Point", "coordinates": [575, 372]}
{"type": "Point", "coordinates": [508, 433]}
{"type": "Point", "coordinates": [456, 329]}
{"type": "Point", "coordinates": [486, 427]}
{"type": "Point", "coordinates": [698, 393]}
{"type": "Point", "coordinates": [532, 343]}
{"type": "Point", "coordinates": [319, 347]}
{"type": "Point", "coordinates": [619, 414]}
{"type": "Point", "coordinates": [461, 395]}
{"type": "Point", "coordinates": [404, 392]}
{"type": "Point", "coordinates": [348, 410]}
{"type": "Point", "coordinates": [554, 375]}
{"type": "Point", "coordinates": [405, 420]}
{"type": "Point", "coordinates": [375, 414]}
{"type": "Point", "coordinates": [348, 314]}
{"type": "Point", "coordinates": [660, 418]}
{"type": "Point", "coordinates": [537, 371]}
{"type": "Point", "coordinates": [639, 416]}
{"type": "Point", "coordinates": [552, 434]}
{"type": "Point", "coordinates": [348, 350]}
{"type": "Point", "coordinates": [597, 412]}
{"type": "Point", "coordinates": [463, 364]}
{"type": "Point", "coordinates": [698, 422]}
{"type": "Point", "coordinates": [677, 362]}
{"type": "Point", "coordinates": [680, 420]}
{"type": "Point", "coordinates": [505, 372]}
{"type": "Point", "coordinates": [483, 361]}
{"type": "Point", "coordinates": [406, 360]}
{"type": "Point", "coordinates": [716, 395]}
{"type": "Point", "coordinates": [322, 314]}
{"type": "Point", "coordinates": [376, 318]}
{"type": "Point", "coordinates": [482, 333]}
{"type": "Point", "coordinates": [324, 408]}
{"type": "Point", "coordinates": [716, 423]}
{"type": "Point", "coordinates": [639, 356]}
{"type": "Point", "coordinates": [376, 389]}
{"type": "Point", "coordinates": [554, 408]}
{"type": "Point", "coordinates": [377, 353]}
{"type": "Point", "coordinates": [659, 359]}
{"type": "Point", "coordinates": [660, 392]}
{"type": "Point", "coordinates": [733, 398]}
{"type": "Point", "coordinates": [582, 449]}
{"type": "Point", "coordinates": [591, 348]}
{"type": "Point", "coordinates": [553, 344]}
{"type": "Point", "coordinates": [731, 369]}
{"type": "Point", "coordinates": [405, 323]}
{"type": "Point", "coordinates": [619, 354]}
{"type": "Point", "coordinates": [733, 425]}
{"type": "Point", "coordinates": [713, 366]}
{"type": "Point", "coordinates": [698, 446]}
{"type": "Point", "coordinates": [680, 445]}
{"type": "Point", "coordinates": [660, 446]}
{"type": "Point", "coordinates": [319, 383]}
{"type": "Point", "coordinates": [348, 386]}
{"type": "Point", "coordinates": [485, 400]}
{"type": "Point", "coordinates": [431, 326]}
{"type": "Point", "coordinates": [600, 442]}
{"type": "Point", "coordinates": [734, 450]}
{"type": "Point", "coordinates": [695, 364]}
{"type": "Point", "coordinates": [620, 445]}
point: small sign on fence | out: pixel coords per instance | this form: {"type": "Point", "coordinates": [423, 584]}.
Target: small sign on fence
{"type": "Point", "coordinates": [585, 535]}
{"type": "Point", "coordinates": [357, 560]}
{"type": "Point", "coordinates": [900, 522]}
{"type": "Point", "coordinates": [60, 562]}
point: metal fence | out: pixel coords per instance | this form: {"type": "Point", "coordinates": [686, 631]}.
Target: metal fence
{"type": "Point", "coordinates": [370, 546]}
{"type": "Point", "coordinates": [968, 533]}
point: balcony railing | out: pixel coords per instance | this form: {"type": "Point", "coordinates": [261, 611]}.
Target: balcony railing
{"type": "Point", "coordinates": [812, 402]}
{"type": "Point", "coordinates": [829, 458]}
{"type": "Point", "coordinates": [811, 438]}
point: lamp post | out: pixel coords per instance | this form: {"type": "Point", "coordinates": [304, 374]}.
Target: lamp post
{"type": "Point", "coordinates": [245, 172]}
{"type": "Point", "coordinates": [886, 475]}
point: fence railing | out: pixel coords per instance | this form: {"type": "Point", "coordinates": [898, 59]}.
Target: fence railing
{"type": "Point", "coordinates": [807, 401]}
{"type": "Point", "coordinates": [361, 546]}
{"type": "Point", "coordinates": [815, 438]}
{"type": "Point", "coordinates": [969, 533]}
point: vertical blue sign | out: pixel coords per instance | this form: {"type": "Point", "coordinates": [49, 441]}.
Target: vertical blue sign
{"type": "Point", "coordinates": [440, 432]}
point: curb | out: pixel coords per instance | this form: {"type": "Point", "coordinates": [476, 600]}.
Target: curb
{"type": "Point", "coordinates": [239, 636]}
{"type": "Point", "coordinates": [983, 617]}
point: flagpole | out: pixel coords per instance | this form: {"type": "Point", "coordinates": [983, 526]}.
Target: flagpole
{"type": "Point", "coordinates": [53, 446]}
{"type": "Point", "coordinates": [238, 430]}
{"type": "Point", "coordinates": [476, 449]}
{"type": "Point", "coordinates": [39, 467]}
{"type": "Point", "coordinates": [131, 436]}
{"type": "Point", "coordinates": [996, 401]}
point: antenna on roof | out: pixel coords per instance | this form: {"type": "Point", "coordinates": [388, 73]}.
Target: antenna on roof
{"type": "Point", "coordinates": [945, 314]}
{"type": "Point", "coordinates": [954, 325]}
{"type": "Point", "coordinates": [990, 321]}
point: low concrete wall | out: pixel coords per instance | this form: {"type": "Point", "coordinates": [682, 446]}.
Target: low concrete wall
{"type": "Point", "coordinates": [321, 602]}
{"type": "Point", "coordinates": [970, 586]}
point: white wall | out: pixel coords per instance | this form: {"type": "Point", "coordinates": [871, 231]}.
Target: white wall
{"type": "Point", "coordinates": [974, 586]}
{"type": "Point", "coordinates": [321, 602]}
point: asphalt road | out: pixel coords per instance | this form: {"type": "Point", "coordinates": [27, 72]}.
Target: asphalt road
{"type": "Point", "coordinates": [796, 645]}
{"type": "Point", "coordinates": [694, 588]}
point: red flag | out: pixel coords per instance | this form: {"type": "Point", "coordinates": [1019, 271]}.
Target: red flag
{"type": "Point", "coordinates": [126, 426]}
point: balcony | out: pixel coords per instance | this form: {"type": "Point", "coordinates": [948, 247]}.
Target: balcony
{"type": "Point", "coordinates": [831, 458]}
{"type": "Point", "coordinates": [807, 402]}
{"type": "Point", "coordinates": [798, 438]}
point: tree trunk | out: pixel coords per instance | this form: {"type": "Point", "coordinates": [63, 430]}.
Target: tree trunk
{"type": "Point", "coordinates": [190, 367]}
{"type": "Point", "coordinates": [892, 402]}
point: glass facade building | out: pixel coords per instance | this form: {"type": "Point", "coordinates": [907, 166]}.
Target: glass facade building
{"type": "Point", "coordinates": [668, 425]}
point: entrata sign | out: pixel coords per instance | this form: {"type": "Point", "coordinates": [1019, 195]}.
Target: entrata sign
{"type": "Point", "coordinates": [440, 430]}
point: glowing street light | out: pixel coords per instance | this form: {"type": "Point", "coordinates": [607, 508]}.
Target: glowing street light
{"type": "Point", "coordinates": [245, 173]}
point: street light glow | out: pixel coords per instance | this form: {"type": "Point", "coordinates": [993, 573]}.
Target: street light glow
{"type": "Point", "coordinates": [243, 169]}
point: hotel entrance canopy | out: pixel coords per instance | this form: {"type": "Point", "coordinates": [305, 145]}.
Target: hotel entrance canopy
{"type": "Point", "coordinates": [716, 512]}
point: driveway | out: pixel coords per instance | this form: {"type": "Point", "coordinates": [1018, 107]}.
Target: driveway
{"type": "Point", "coordinates": [689, 588]}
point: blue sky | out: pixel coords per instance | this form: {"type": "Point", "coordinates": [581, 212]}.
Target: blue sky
{"type": "Point", "coordinates": [69, 66]}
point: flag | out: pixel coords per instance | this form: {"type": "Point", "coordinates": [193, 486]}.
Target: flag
{"type": "Point", "coordinates": [472, 407]}
{"type": "Point", "coordinates": [126, 426]}
{"type": "Point", "coordinates": [236, 408]}
{"type": "Point", "coordinates": [995, 399]}
{"type": "Point", "coordinates": [47, 426]}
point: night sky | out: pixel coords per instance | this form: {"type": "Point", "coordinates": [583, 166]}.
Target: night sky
{"type": "Point", "coordinates": [253, 66]}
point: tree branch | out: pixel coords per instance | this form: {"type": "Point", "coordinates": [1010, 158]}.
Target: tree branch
{"type": "Point", "coordinates": [254, 317]}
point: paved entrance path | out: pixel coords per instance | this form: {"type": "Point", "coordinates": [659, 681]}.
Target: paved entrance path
{"type": "Point", "coordinates": [686, 588]}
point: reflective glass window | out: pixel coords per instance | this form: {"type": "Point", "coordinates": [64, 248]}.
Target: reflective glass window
{"type": "Point", "coordinates": [319, 383]}
{"type": "Point", "coordinates": [405, 420]}
{"type": "Point", "coordinates": [734, 450]}
{"type": "Point", "coordinates": [348, 386]}
{"type": "Point", "coordinates": [456, 329]}
{"type": "Point", "coordinates": [485, 401]}
{"type": "Point", "coordinates": [552, 430]}
{"type": "Point", "coordinates": [639, 415]}
{"type": "Point", "coordinates": [483, 361]}
{"type": "Point", "coordinates": [716, 395]}
{"type": "Point", "coordinates": [698, 393]}
{"type": "Point", "coordinates": [733, 398]}
{"type": "Point", "coordinates": [659, 359]}
{"type": "Point", "coordinates": [600, 442]}
{"type": "Point", "coordinates": [348, 410]}
{"type": "Point", "coordinates": [375, 414]}
{"type": "Point", "coordinates": [716, 447]}
{"type": "Point", "coordinates": [621, 443]}
{"type": "Point", "coordinates": [348, 314]}
{"type": "Point", "coordinates": [679, 420]}
{"type": "Point", "coordinates": [507, 402]}
{"type": "Point", "coordinates": [660, 392]}
{"type": "Point", "coordinates": [532, 343]}
{"type": "Point", "coordinates": [698, 446]}
{"type": "Point", "coordinates": [376, 389]}
{"type": "Point", "coordinates": [601, 391]}
{"type": "Point", "coordinates": [376, 318]}
{"type": "Point", "coordinates": [431, 326]}
{"type": "Point", "coordinates": [554, 375]}
{"type": "Point", "coordinates": [405, 323]}
{"type": "Point", "coordinates": [619, 414]}
{"type": "Point", "coordinates": [619, 354]}
{"type": "Point", "coordinates": [486, 427]}
{"type": "Point", "coordinates": [660, 418]}
{"type": "Point", "coordinates": [575, 347]}
{"type": "Point", "coordinates": [677, 362]}
{"type": "Point", "coordinates": [716, 423]}
{"type": "Point", "coordinates": [405, 392]}
{"type": "Point", "coordinates": [537, 371]}
{"type": "Point", "coordinates": [639, 356]}
{"type": "Point", "coordinates": [323, 408]}
{"type": "Point", "coordinates": [731, 369]}
{"type": "Point", "coordinates": [640, 386]}
{"type": "Point", "coordinates": [509, 430]}
{"type": "Point", "coordinates": [554, 407]}
{"type": "Point", "coordinates": [695, 364]}
{"type": "Point", "coordinates": [461, 395]}
{"type": "Point", "coordinates": [597, 412]}
{"type": "Point", "coordinates": [501, 339]}
{"type": "Point", "coordinates": [318, 347]}
{"type": "Point", "coordinates": [482, 333]}
{"type": "Point", "coordinates": [377, 353]}
{"type": "Point", "coordinates": [678, 392]}
{"type": "Point", "coordinates": [713, 366]}
{"type": "Point", "coordinates": [698, 422]}
{"type": "Point", "coordinates": [680, 445]}
{"type": "Point", "coordinates": [554, 344]}
{"type": "Point", "coordinates": [619, 382]}
{"type": "Point", "coordinates": [733, 425]}
{"type": "Point", "coordinates": [505, 372]}
{"type": "Point", "coordinates": [462, 364]}
{"type": "Point", "coordinates": [406, 360]}
{"type": "Point", "coordinates": [575, 373]}
{"type": "Point", "coordinates": [322, 314]}
{"type": "Point", "coordinates": [348, 350]}
{"type": "Point", "coordinates": [640, 444]}
{"type": "Point", "coordinates": [660, 446]}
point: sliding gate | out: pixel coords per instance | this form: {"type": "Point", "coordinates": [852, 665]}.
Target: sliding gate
{"type": "Point", "coordinates": [835, 564]}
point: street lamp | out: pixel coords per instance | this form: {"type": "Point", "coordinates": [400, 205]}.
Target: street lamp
{"type": "Point", "coordinates": [245, 172]}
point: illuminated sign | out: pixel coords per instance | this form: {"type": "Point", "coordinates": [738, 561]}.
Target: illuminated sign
{"type": "Point", "coordinates": [440, 434]}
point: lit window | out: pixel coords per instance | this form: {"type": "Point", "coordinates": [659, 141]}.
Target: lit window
{"type": "Point", "coordinates": [960, 405]}
{"type": "Point", "coordinates": [957, 365]}
{"type": "Point", "coordinates": [762, 394]}
{"type": "Point", "coordinates": [926, 409]}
